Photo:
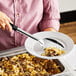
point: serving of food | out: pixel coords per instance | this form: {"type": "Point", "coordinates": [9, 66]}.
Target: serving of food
{"type": "Point", "coordinates": [52, 51]}
{"type": "Point", "coordinates": [28, 65]}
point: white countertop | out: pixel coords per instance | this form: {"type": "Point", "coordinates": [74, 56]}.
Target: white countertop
{"type": "Point", "coordinates": [71, 58]}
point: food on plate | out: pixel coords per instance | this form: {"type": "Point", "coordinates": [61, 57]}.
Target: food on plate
{"type": "Point", "coordinates": [52, 51]}
{"type": "Point", "coordinates": [27, 65]}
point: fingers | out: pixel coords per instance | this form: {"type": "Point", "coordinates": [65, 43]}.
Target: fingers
{"type": "Point", "coordinates": [50, 29]}
{"type": "Point", "coordinates": [8, 27]}
{"type": "Point", "coordinates": [2, 24]}
{"type": "Point", "coordinates": [5, 22]}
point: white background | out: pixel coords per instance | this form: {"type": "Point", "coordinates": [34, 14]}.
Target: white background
{"type": "Point", "coordinates": [71, 58]}
{"type": "Point", "coordinates": [67, 5]}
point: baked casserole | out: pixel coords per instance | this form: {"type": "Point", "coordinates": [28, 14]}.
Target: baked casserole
{"type": "Point", "coordinates": [27, 65]}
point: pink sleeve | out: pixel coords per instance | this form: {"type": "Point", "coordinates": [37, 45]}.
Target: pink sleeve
{"type": "Point", "coordinates": [51, 15]}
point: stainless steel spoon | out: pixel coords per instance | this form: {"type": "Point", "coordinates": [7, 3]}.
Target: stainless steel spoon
{"type": "Point", "coordinates": [41, 41]}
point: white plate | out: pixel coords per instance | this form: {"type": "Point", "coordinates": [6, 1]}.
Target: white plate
{"type": "Point", "coordinates": [34, 48]}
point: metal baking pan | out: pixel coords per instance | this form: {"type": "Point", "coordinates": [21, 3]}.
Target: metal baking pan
{"type": "Point", "coordinates": [20, 50]}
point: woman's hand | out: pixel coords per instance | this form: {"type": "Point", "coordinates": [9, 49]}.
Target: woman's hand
{"type": "Point", "coordinates": [4, 22]}
{"type": "Point", "coordinates": [49, 29]}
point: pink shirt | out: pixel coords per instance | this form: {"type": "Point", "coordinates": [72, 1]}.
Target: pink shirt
{"type": "Point", "coordinates": [31, 16]}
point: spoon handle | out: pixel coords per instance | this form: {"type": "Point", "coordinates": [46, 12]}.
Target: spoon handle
{"type": "Point", "coordinates": [15, 28]}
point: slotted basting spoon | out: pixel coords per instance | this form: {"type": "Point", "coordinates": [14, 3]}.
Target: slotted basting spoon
{"type": "Point", "coordinates": [41, 41]}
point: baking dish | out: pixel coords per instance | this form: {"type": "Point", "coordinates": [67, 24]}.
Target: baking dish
{"type": "Point", "coordinates": [65, 70]}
